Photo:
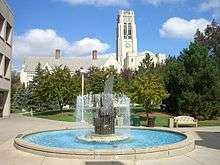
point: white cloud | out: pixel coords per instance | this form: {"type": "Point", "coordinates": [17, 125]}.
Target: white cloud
{"type": "Point", "coordinates": [39, 42]}
{"type": "Point", "coordinates": [98, 2]}
{"type": "Point", "coordinates": [158, 2]}
{"type": "Point", "coordinates": [86, 45]}
{"type": "Point", "coordinates": [211, 5]}
{"type": "Point", "coordinates": [180, 28]}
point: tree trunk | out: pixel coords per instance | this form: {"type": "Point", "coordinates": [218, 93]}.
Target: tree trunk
{"type": "Point", "coordinates": [147, 116]}
{"type": "Point", "coordinates": [147, 110]}
{"type": "Point", "coordinates": [61, 108]}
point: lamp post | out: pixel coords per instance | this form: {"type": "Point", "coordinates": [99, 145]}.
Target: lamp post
{"type": "Point", "coordinates": [82, 71]}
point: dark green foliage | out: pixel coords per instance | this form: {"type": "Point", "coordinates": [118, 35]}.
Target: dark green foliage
{"type": "Point", "coordinates": [15, 84]}
{"type": "Point", "coordinates": [57, 86]}
{"type": "Point", "coordinates": [123, 81]}
{"type": "Point", "coordinates": [210, 39]}
{"type": "Point", "coordinates": [62, 87]}
{"type": "Point", "coordinates": [23, 99]}
{"type": "Point", "coordinates": [146, 65]}
{"type": "Point", "coordinates": [192, 82]}
{"type": "Point", "coordinates": [95, 79]}
{"type": "Point", "coordinates": [41, 100]}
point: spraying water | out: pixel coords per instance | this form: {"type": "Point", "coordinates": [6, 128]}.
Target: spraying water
{"type": "Point", "coordinates": [105, 110]}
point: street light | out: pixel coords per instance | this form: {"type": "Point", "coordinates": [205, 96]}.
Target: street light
{"type": "Point", "coordinates": [82, 71]}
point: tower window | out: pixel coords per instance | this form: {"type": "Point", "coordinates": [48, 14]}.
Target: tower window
{"type": "Point", "coordinates": [125, 30]}
{"type": "Point", "coordinates": [129, 30]}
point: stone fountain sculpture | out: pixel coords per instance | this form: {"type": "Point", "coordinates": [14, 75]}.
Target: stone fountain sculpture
{"type": "Point", "coordinates": [104, 121]}
{"type": "Point", "coordinates": [105, 108]}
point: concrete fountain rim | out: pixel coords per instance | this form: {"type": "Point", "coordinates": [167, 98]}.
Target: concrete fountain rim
{"type": "Point", "coordinates": [163, 151]}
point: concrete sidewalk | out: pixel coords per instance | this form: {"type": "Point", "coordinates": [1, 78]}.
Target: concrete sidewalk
{"type": "Point", "coordinates": [207, 151]}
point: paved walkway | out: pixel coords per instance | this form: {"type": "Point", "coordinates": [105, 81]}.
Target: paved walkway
{"type": "Point", "coordinates": [207, 151]}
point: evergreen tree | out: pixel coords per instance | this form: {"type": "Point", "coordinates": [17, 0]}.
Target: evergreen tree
{"type": "Point", "coordinates": [123, 81]}
{"type": "Point", "coordinates": [59, 86]}
{"type": "Point", "coordinates": [192, 81]}
{"type": "Point", "coordinates": [96, 79]}
{"type": "Point", "coordinates": [146, 65]}
{"type": "Point", "coordinates": [15, 84]}
{"type": "Point", "coordinates": [41, 100]}
{"type": "Point", "coordinates": [23, 99]}
{"type": "Point", "coordinates": [210, 39]}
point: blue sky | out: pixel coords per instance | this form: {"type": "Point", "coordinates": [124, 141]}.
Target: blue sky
{"type": "Point", "coordinates": [77, 26]}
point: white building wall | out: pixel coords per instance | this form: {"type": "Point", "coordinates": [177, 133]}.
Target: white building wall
{"type": "Point", "coordinates": [26, 77]}
{"type": "Point", "coordinates": [132, 62]}
{"type": "Point", "coordinates": [111, 62]}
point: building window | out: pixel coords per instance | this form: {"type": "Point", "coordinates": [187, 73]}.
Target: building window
{"type": "Point", "coordinates": [2, 101]}
{"type": "Point", "coordinates": [8, 33]}
{"type": "Point", "coordinates": [2, 19]}
{"type": "Point", "coordinates": [129, 30]}
{"type": "Point", "coordinates": [1, 57]}
{"type": "Point", "coordinates": [125, 30]}
{"type": "Point", "coordinates": [7, 61]}
{"type": "Point", "coordinates": [132, 60]}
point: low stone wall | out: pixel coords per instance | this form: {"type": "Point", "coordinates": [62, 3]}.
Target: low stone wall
{"type": "Point", "coordinates": [164, 151]}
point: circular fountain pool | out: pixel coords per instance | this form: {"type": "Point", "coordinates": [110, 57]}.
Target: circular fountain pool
{"type": "Point", "coordinates": [142, 143]}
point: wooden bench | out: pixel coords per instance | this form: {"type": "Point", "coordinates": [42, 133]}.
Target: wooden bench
{"type": "Point", "coordinates": [185, 120]}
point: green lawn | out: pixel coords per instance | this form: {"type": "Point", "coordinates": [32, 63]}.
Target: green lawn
{"type": "Point", "coordinates": [161, 119]}
{"type": "Point", "coordinates": [210, 122]}
{"type": "Point", "coordinates": [66, 116]}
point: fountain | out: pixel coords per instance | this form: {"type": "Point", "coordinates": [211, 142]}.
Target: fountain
{"type": "Point", "coordinates": [104, 121]}
{"type": "Point", "coordinates": [106, 133]}
{"type": "Point", "coordinates": [106, 108]}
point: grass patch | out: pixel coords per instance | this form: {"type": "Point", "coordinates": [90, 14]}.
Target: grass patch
{"type": "Point", "coordinates": [65, 116]}
{"type": "Point", "coordinates": [162, 121]}
{"type": "Point", "coordinates": [206, 123]}
{"type": "Point", "coordinates": [161, 118]}
{"type": "Point", "coordinates": [68, 116]}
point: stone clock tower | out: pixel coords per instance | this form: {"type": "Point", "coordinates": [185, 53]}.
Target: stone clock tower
{"type": "Point", "coordinates": [126, 36]}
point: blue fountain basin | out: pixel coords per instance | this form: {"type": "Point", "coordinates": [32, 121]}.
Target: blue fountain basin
{"type": "Point", "coordinates": [138, 138]}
